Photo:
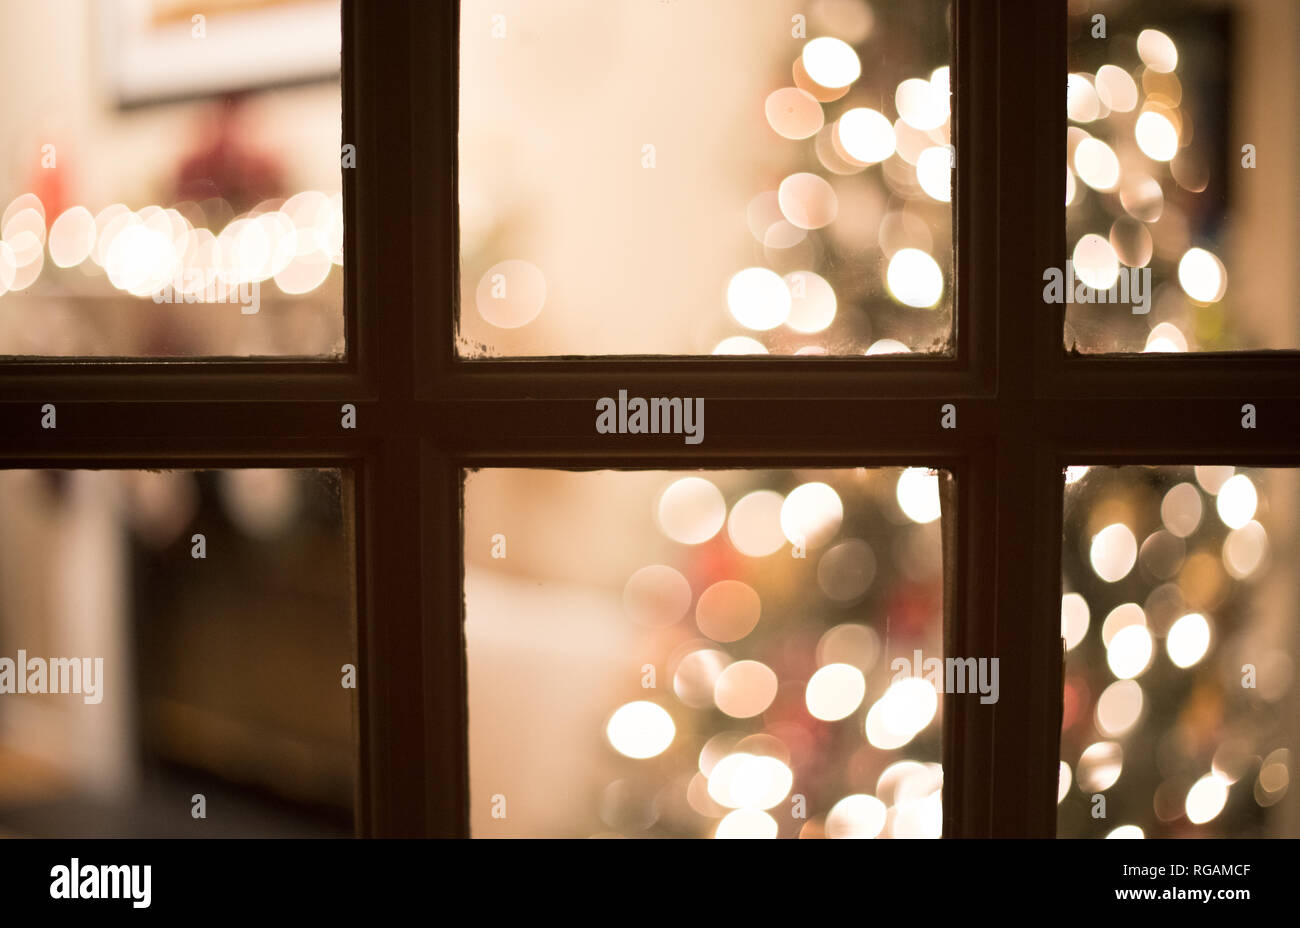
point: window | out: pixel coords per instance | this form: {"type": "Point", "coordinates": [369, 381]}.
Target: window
{"type": "Point", "coordinates": [784, 610]}
{"type": "Point", "coordinates": [181, 637]}
{"type": "Point", "coordinates": [175, 192]}
{"type": "Point", "coordinates": [1179, 672]}
{"type": "Point", "coordinates": [409, 408]}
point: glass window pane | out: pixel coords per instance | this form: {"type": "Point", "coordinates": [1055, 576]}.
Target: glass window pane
{"type": "Point", "coordinates": [170, 180]}
{"type": "Point", "coordinates": [1182, 177]}
{"type": "Point", "coordinates": [704, 654]}
{"type": "Point", "coordinates": [705, 177]}
{"type": "Point", "coordinates": [184, 634]}
{"type": "Point", "coordinates": [1179, 619]}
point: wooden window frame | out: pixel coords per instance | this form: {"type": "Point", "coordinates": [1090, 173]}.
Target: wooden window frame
{"type": "Point", "coordinates": [1025, 410]}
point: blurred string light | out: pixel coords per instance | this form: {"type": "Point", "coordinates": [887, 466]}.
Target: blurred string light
{"type": "Point", "coordinates": [856, 816]}
{"type": "Point", "coordinates": [1113, 552]}
{"type": "Point", "coordinates": [1188, 640]}
{"type": "Point", "coordinates": [1119, 707]}
{"type": "Point", "coordinates": [691, 510]}
{"type": "Point", "coordinates": [1074, 619]}
{"type": "Point", "coordinates": [811, 514]}
{"type": "Point", "coordinates": [294, 243]}
{"type": "Point", "coordinates": [1137, 138]}
{"type": "Point", "coordinates": [917, 492]}
{"type": "Point", "coordinates": [1172, 635]}
{"type": "Point", "coordinates": [1206, 799]}
{"type": "Point", "coordinates": [741, 777]}
{"type": "Point", "coordinates": [640, 729]}
{"type": "Point", "coordinates": [754, 525]}
{"type": "Point", "coordinates": [1237, 501]}
{"type": "Point", "coordinates": [835, 691]}
{"type": "Point", "coordinates": [745, 689]}
{"type": "Point", "coordinates": [728, 610]}
{"type": "Point", "coordinates": [913, 153]}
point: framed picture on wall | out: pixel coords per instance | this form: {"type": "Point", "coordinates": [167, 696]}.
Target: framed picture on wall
{"type": "Point", "coordinates": [159, 50]}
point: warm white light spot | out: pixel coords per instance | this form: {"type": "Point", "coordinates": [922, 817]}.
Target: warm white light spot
{"type": "Point", "coordinates": [1127, 831]}
{"type": "Point", "coordinates": [811, 514]}
{"type": "Point", "coordinates": [918, 494]}
{"type": "Point", "coordinates": [1202, 276]}
{"type": "Point", "coordinates": [812, 302]}
{"type": "Point", "coordinates": [835, 692]}
{"type": "Point", "coordinates": [739, 344]}
{"type": "Point", "coordinates": [1130, 651]}
{"type": "Point", "coordinates": [807, 201]}
{"type": "Point", "coordinates": [1074, 619]}
{"type": "Point", "coordinates": [793, 113]}
{"type": "Point", "coordinates": [831, 62]}
{"type": "Point", "coordinates": [1099, 766]}
{"type": "Point", "coordinates": [1156, 136]}
{"type": "Point", "coordinates": [919, 818]}
{"type": "Point", "coordinates": [23, 203]}
{"type": "Point", "coordinates": [24, 231]}
{"type": "Point", "coordinates": [141, 260]}
{"type": "Point", "coordinates": [914, 278]}
{"type": "Point", "coordinates": [691, 510]}
{"type": "Point", "coordinates": [1165, 337]}
{"type": "Point", "coordinates": [749, 781]}
{"type": "Point", "coordinates": [1157, 50]}
{"type": "Point", "coordinates": [1212, 477]}
{"type": "Point", "coordinates": [878, 732]}
{"type": "Point", "coordinates": [1122, 616]}
{"type": "Point", "coordinates": [1095, 262]}
{"type": "Point", "coordinates": [747, 823]}
{"type": "Point", "coordinates": [921, 104]}
{"type": "Point", "coordinates": [934, 173]}
{"type": "Point", "coordinates": [908, 706]}
{"type": "Point", "coordinates": [1188, 640]}
{"type": "Point", "coordinates": [856, 816]}
{"type": "Point", "coordinates": [758, 298]}
{"type": "Point", "coordinates": [1119, 707]}
{"type": "Point", "coordinates": [1081, 101]}
{"type": "Point", "coordinates": [1063, 781]}
{"type": "Point", "coordinates": [866, 135]}
{"type": "Point", "coordinates": [1244, 549]}
{"type": "Point", "coordinates": [941, 81]}
{"type": "Point", "coordinates": [906, 779]}
{"type": "Point", "coordinates": [1206, 799]}
{"type": "Point", "coordinates": [1096, 164]}
{"type": "Point", "coordinates": [72, 237]}
{"type": "Point", "coordinates": [1113, 552]}
{"type": "Point", "coordinates": [745, 689]}
{"type": "Point", "coordinates": [307, 272]}
{"type": "Point", "coordinates": [1116, 88]}
{"type": "Point", "coordinates": [887, 346]}
{"type": "Point", "coordinates": [754, 525]}
{"type": "Point", "coordinates": [640, 729]}
{"type": "Point", "coordinates": [1237, 501]}
{"type": "Point", "coordinates": [697, 674]}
